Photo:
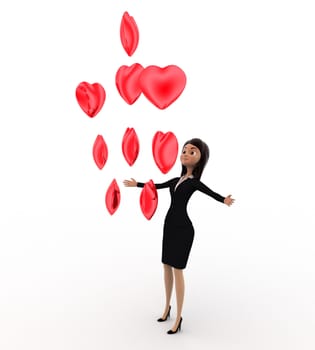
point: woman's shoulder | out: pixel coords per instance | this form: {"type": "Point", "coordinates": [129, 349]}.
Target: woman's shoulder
{"type": "Point", "coordinates": [195, 180]}
{"type": "Point", "coordinates": [174, 178]}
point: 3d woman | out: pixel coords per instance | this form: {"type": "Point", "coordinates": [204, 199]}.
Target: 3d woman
{"type": "Point", "coordinates": [178, 232]}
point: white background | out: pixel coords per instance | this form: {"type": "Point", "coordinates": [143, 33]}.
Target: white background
{"type": "Point", "coordinates": [74, 277]}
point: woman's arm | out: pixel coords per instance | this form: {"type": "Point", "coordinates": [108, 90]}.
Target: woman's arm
{"type": "Point", "coordinates": [130, 183]}
{"type": "Point", "coordinates": [134, 183]}
{"type": "Point", "coordinates": [205, 189]}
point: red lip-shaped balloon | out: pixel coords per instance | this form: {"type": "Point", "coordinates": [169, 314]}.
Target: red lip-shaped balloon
{"type": "Point", "coordinates": [129, 34]}
{"type": "Point", "coordinates": [112, 198]}
{"type": "Point", "coordinates": [127, 82]}
{"type": "Point", "coordinates": [91, 97]}
{"type": "Point", "coordinates": [164, 149]}
{"type": "Point", "coordinates": [100, 151]}
{"type": "Point", "coordinates": [130, 146]}
{"type": "Point", "coordinates": [148, 199]}
{"type": "Point", "coordinates": [162, 86]}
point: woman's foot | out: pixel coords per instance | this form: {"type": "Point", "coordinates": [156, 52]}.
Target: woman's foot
{"type": "Point", "coordinates": [166, 315]}
{"type": "Point", "coordinates": [176, 327]}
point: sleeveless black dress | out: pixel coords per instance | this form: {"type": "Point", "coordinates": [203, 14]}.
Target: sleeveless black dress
{"type": "Point", "coordinates": [178, 231]}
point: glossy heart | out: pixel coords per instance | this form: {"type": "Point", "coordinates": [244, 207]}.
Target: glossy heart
{"type": "Point", "coordinates": [165, 150]}
{"type": "Point", "coordinates": [100, 151]}
{"type": "Point", "coordinates": [127, 82]}
{"type": "Point", "coordinates": [148, 199]}
{"type": "Point", "coordinates": [91, 97]}
{"type": "Point", "coordinates": [129, 34]}
{"type": "Point", "coordinates": [162, 86]}
{"type": "Point", "coordinates": [130, 146]}
{"type": "Point", "coordinates": [112, 197]}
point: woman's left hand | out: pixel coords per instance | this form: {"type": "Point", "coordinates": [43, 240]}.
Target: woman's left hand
{"type": "Point", "coordinates": [228, 200]}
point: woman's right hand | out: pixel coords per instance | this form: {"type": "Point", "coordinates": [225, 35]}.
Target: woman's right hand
{"type": "Point", "coordinates": [130, 183]}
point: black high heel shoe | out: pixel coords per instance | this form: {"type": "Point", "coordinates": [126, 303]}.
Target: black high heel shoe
{"type": "Point", "coordinates": [177, 329]}
{"type": "Point", "coordinates": [167, 316]}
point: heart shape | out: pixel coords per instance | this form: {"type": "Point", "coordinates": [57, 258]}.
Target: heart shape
{"type": "Point", "coordinates": [129, 34]}
{"type": "Point", "coordinates": [130, 146]}
{"type": "Point", "coordinates": [112, 197]}
{"type": "Point", "coordinates": [165, 150]}
{"type": "Point", "coordinates": [148, 199]}
{"type": "Point", "coordinates": [162, 86]}
{"type": "Point", "coordinates": [91, 97]}
{"type": "Point", "coordinates": [100, 151]}
{"type": "Point", "coordinates": [127, 82]}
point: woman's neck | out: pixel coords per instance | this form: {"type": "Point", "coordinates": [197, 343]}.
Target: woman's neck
{"type": "Point", "coordinates": [189, 172]}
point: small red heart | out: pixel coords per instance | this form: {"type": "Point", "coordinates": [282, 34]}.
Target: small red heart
{"type": "Point", "coordinates": [148, 199]}
{"type": "Point", "coordinates": [129, 34]}
{"type": "Point", "coordinates": [91, 97]}
{"type": "Point", "coordinates": [100, 151]}
{"type": "Point", "coordinates": [127, 82]}
{"type": "Point", "coordinates": [130, 146]}
{"type": "Point", "coordinates": [112, 197]}
{"type": "Point", "coordinates": [165, 150]}
{"type": "Point", "coordinates": [162, 86]}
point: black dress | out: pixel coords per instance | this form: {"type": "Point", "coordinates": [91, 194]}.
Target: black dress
{"type": "Point", "coordinates": [178, 231]}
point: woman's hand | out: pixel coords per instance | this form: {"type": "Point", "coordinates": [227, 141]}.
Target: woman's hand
{"type": "Point", "coordinates": [228, 200]}
{"type": "Point", "coordinates": [130, 183]}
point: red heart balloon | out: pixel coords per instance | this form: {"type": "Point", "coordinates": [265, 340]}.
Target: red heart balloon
{"type": "Point", "coordinates": [130, 146]}
{"type": "Point", "coordinates": [165, 150]}
{"type": "Point", "coordinates": [162, 86]}
{"type": "Point", "coordinates": [112, 197]}
{"type": "Point", "coordinates": [91, 97]}
{"type": "Point", "coordinates": [148, 199]}
{"type": "Point", "coordinates": [127, 82]}
{"type": "Point", "coordinates": [129, 34]}
{"type": "Point", "coordinates": [100, 151]}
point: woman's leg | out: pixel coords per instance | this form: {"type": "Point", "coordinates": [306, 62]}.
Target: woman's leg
{"type": "Point", "coordinates": [180, 291]}
{"type": "Point", "coordinates": [168, 282]}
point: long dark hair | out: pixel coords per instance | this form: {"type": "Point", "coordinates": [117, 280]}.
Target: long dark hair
{"type": "Point", "coordinates": [204, 151]}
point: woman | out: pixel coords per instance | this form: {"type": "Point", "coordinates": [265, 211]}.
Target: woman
{"type": "Point", "coordinates": [178, 232]}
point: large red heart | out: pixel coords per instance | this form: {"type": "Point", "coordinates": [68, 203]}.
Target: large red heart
{"type": "Point", "coordinates": [91, 97]}
{"type": "Point", "coordinates": [127, 82]}
{"type": "Point", "coordinates": [162, 86]}
{"type": "Point", "coordinates": [164, 149]}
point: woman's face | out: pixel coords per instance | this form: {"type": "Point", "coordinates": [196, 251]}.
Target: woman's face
{"type": "Point", "coordinates": [190, 155]}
